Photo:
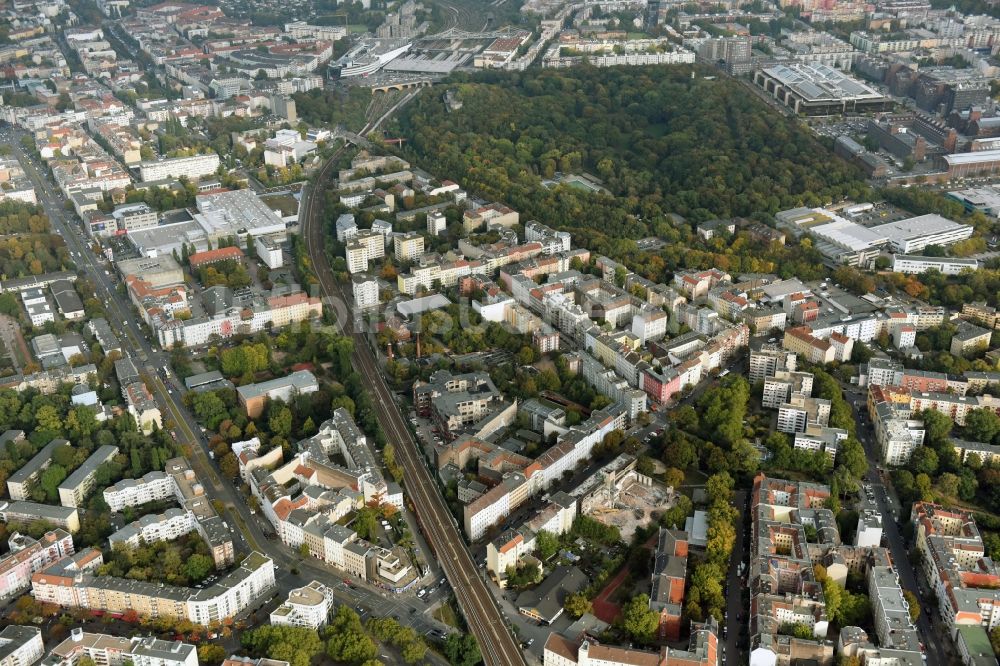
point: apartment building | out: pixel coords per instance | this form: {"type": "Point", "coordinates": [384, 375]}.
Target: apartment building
{"type": "Point", "coordinates": [101, 649]}
{"type": "Point", "coordinates": [152, 487]}
{"type": "Point", "coordinates": [364, 288]}
{"type": "Point", "coordinates": [365, 246]}
{"type": "Point", "coordinates": [20, 645]}
{"type": "Point", "coordinates": [820, 438]}
{"type": "Point", "coordinates": [781, 570]}
{"type": "Point", "coordinates": [407, 246]}
{"type": "Point", "coordinates": [70, 583]}
{"type": "Point", "coordinates": [492, 508]}
{"type": "Point", "coordinates": [30, 512]}
{"type": "Point", "coordinates": [965, 582]}
{"type": "Point", "coordinates": [969, 339]}
{"type": "Point", "coordinates": [703, 650]}
{"type": "Point", "coordinates": [897, 438]}
{"type": "Point", "coordinates": [191, 167]}
{"type": "Point", "coordinates": [666, 595]}
{"type": "Point", "coordinates": [150, 651]}
{"type": "Point", "coordinates": [491, 215]}
{"type": "Point", "coordinates": [27, 556]}
{"type": "Point", "coordinates": [799, 412]}
{"type": "Point", "coordinates": [890, 610]}
{"type": "Point", "coordinates": [20, 482]}
{"type": "Point", "coordinates": [78, 485]}
{"type": "Point", "coordinates": [308, 606]}
{"type": "Point", "coordinates": [982, 314]}
{"type": "Point", "coordinates": [768, 360]}
{"type": "Point", "coordinates": [801, 341]}
{"type": "Point", "coordinates": [782, 386]}
{"type": "Point", "coordinates": [167, 526]}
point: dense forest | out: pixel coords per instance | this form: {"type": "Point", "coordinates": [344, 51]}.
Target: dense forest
{"type": "Point", "coordinates": [660, 140]}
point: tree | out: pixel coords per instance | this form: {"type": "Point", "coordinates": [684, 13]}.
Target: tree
{"type": "Point", "coordinates": [679, 451]}
{"type": "Point", "coordinates": [852, 455]}
{"type": "Point", "coordinates": [229, 464]}
{"type": "Point", "coordinates": [577, 604]}
{"type": "Point", "coordinates": [413, 651]}
{"type": "Point", "coordinates": [462, 649]}
{"type": "Point", "coordinates": [364, 522]}
{"type": "Point", "coordinates": [924, 460]}
{"type": "Point", "coordinates": [673, 477]}
{"type": "Point", "coordinates": [50, 480]}
{"type": "Point", "coordinates": [296, 645]}
{"type": "Point", "coordinates": [638, 620]}
{"type": "Point", "coordinates": [982, 425]}
{"type": "Point", "coordinates": [914, 604]}
{"type": "Point", "coordinates": [547, 544]}
{"type": "Point", "coordinates": [211, 655]}
{"type": "Point", "coordinates": [198, 566]}
{"type": "Point", "coordinates": [347, 640]}
{"type": "Point", "coordinates": [937, 426]}
{"type": "Point", "coordinates": [947, 484]}
{"type": "Point", "coordinates": [280, 420]}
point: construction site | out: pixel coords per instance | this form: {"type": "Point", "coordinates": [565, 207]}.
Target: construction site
{"type": "Point", "coordinates": [619, 495]}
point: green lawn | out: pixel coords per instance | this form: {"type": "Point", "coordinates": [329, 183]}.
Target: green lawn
{"type": "Point", "coordinates": [285, 203]}
{"type": "Point", "coordinates": [445, 613]}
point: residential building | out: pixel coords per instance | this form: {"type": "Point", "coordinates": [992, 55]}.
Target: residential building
{"type": "Point", "coordinates": [308, 606]}
{"type": "Point", "coordinates": [78, 485]}
{"type": "Point", "coordinates": [364, 247]}
{"type": "Point", "coordinates": [820, 438]}
{"type": "Point", "coordinates": [30, 512]}
{"type": "Point", "coordinates": [436, 223]}
{"type": "Point", "coordinates": [37, 306]}
{"type": "Point", "coordinates": [969, 339]}
{"type": "Point", "coordinates": [70, 583]}
{"type": "Point", "coordinates": [150, 651]}
{"type": "Point", "coordinates": [491, 215]}
{"type": "Point", "coordinates": [982, 314]}
{"type": "Point", "coordinates": [364, 287]}
{"type": "Point", "coordinates": [799, 412]}
{"type": "Point", "coordinates": [27, 556]}
{"type": "Point", "coordinates": [20, 645]}
{"type": "Point", "coordinates": [20, 482]}
{"type": "Point", "coordinates": [768, 360]}
{"type": "Point", "coordinates": [703, 650]}
{"type": "Point", "coordinates": [407, 246]}
{"type": "Point", "coordinates": [253, 397]}
{"type": "Point", "coordinates": [192, 167]}
{"type": "Point", "coordinates": [666, 596]}
{"type": "Point", "coordinates": [964, 581]}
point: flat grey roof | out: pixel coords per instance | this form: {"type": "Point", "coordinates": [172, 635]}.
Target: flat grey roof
{"type": "Point", "coordinates": [89, 466]}
{"type": "Point", "coordinates": [817, 83]}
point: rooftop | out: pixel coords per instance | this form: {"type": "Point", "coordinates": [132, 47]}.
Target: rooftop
{"type": "Point", "coordinates": [815, 82]}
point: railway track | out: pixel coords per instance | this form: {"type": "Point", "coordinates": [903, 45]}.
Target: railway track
{"type": "Point", "coordinates": [484, 618]}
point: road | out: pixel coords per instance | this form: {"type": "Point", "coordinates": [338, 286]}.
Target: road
{"type": "Point", "coordinates": [250, 535]}
{"type": "Point", "coordinates": [737, 597]}
{"type": "Point", "coordinates": [484, 618]}
{"type": "Point", "coordinates": [932, 638]}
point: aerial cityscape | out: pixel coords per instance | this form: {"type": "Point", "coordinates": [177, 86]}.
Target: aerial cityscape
{"type": "Point", "coordinates": [500, 332]}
